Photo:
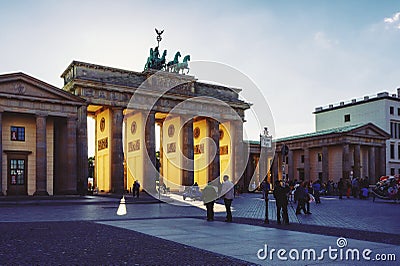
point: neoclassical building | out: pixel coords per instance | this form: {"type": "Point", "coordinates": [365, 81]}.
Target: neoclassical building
{"type": "Point", "coordinates": [39, 137]}
{"type": "Point", "coordinates": [357, 150]}
{"type": "Point", "coordinates": [44, 140]}
{"type": "Point", "coordinates": [199, 123]}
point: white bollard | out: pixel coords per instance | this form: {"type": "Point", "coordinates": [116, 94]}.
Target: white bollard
{"type": "Point", "coordinates": [122, 207]}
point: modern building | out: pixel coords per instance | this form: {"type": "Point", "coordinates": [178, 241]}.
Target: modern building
{"type": "Point", "coordinates": [383, 110]}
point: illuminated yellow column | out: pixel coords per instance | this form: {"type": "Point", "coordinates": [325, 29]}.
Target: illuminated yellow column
{"type": "Point", "coordinates": [103, 150]}
{"type": "Point", "coordinates": [172, 145]}
{"type": "Point", "coordinates": [225, 148]}
{"type": "Point", "coordinates": [135, 151]}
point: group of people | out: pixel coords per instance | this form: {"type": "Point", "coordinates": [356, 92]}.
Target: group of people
{"type": "Point", "coordinates": [282, 191]}
{"type": "Point", "coordinates": [356, 187]}
{"type": "Point", "coordinates": [212, 192]}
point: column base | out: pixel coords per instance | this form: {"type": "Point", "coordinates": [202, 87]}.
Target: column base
{"type": "Point", "coordinates": [41, 193]}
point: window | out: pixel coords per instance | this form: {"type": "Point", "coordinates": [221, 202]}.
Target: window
{"type": "Point", "coordinates": [302, 158]}
{"type": "Point", "coordinates": [391, 151]}
{"type": "Point", "coordinates": [319, 157]}
{"type": "Point", "coordinates": [17, 133]}
{"type": "Point", "coordinates": [347, 118]}
{"type": "Point", "coordinates": [398, 151]}
{"type": "Point", "coordinates": [392, 171]}
{"type": "Point", "coordinates": [391, 110]}
{"type": "Point", "coordinates": [17, 171]}
{"type": "Point", "coordinates": [398, 111]}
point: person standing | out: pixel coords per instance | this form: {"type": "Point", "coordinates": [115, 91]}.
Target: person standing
{"type": "Point", "coordinates": [265, 189]}
{"type": "Point", "coordinates": [316, 189]}
{"type": "Point", "coordinates": [301, 197]}
{"type": "Point", "coordinates": [209, 197]}
{"type": "Point", "coordinates": [136, 188]}
{"type": "Point", "coordinates": [340, 188]}
{"type": "Point", "coordinates": [281, 196]}
{"type": "Point", "coordinates": [227, 191]}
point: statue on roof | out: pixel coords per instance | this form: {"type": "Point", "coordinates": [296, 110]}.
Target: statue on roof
{"type": "Point", "coordinates": [157, 62]}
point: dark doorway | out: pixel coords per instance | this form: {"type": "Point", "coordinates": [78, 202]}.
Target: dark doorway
{"type": "Point", "coordinates": [17, 174]}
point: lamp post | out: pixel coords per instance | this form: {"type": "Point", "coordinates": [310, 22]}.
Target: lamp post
{"type": "Point", "coordinates": [265, 144]}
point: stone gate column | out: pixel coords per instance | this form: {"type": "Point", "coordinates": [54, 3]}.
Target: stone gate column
{"type": "Point", "coordinates": [307, 164]}
{"type": "Point", "coordinates": [381, 162]}
{"type": "Point", "coordinates": [346, 168]}
{"type": "Point", "coordinates": [290, 165]}
{"type": "Point", "coordinates": [325, 164]}
{"type": "Point", "coordinates": [240, 151]}
{"type": "Point", "coordinates": [82, 147]}
{"type": "Point", "coordinates": [71, 180]}
{"type": "Point", "coordinates": [357, 163]}
{"type": "Point", "coordinates": [188, 153]}
{"type": "Point", "coordinates": [371, 165]}
{"type": "Point", "coordinates": [117, 154]}
{"type": "Point", "coordinates": [41, 156]}
{"type": "Point", "coordinates": [149, 167]}
{"type": "Point", "coordinates": [214, 166]}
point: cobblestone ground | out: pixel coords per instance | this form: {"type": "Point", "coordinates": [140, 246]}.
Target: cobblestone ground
{"type": "Point", "coordinates": [88, 243]}
{"type": "Point", "coordinates": [378, 216]}
{"type": "Point", "coordinates": [38, 233]}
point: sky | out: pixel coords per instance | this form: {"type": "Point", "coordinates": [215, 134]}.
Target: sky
{"type": "Point", "coordinates": [300, 54]}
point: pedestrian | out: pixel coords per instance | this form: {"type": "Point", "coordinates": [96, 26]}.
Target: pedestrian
{"type": "Point", "coordinates": [348, 186]}
{"type": "Point", "coordinates": [340, 187]}
{"type": "Point", "coordinates": [355, 187]}
{"type": "Point", "coordinates": [317, 188]}
{"type": "Point", "coordinates": [265, 189]}
{"type": "Point", "coordinates": [308, 197]}
{"type": "Point", "coordinates": [301, 197]}
{"type": "Point", "coordinates": [136, 188]}
{"type": "Point", "coordinates": [228, 193]}
{"type": "Point", "coordinates": [209, 196]}
{"type": "Point", "coordinates": [281, 196]}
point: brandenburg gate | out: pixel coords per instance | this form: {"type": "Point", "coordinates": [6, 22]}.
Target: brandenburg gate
{"type": "Point", "coordinates": [201, 125]}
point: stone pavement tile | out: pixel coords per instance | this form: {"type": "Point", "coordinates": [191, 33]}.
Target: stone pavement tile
{"type": "Point", "coordinates": [244, 241]}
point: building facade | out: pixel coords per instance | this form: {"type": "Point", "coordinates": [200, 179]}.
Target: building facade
{"type": "Point", "coordinates": [38, 129]}
{"type": "Point", "coordinates": [383, 110]}
{"type": "Point", "coordinates": [201, 127]}
{"type": "Point", "coordinates": [331, 154]}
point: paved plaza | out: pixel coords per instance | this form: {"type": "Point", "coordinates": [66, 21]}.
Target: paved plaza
{"type": "Point", "coordinates": [181, 235]}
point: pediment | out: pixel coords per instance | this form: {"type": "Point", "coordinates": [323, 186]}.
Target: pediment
{"type": "Point", "coordinates": [20, 85]}
{"type": "Point", "coordinates": [370, 130]}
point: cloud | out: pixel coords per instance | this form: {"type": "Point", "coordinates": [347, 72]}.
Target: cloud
{"type": "Point", "coordinates": [322, 41]}
{"type": "Point", "coordinates": [394, 20]}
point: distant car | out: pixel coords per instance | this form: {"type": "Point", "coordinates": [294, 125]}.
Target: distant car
{"type": "Point", "coordinates": [192, 192]}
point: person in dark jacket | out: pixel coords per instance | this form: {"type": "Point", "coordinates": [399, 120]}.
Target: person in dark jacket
{"type": "Point", "coordinates": [281, 196]}
{"type": "Point", "coordinates": [209, 196]}
{"type": "Point", "coordinates": [300, 196]}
